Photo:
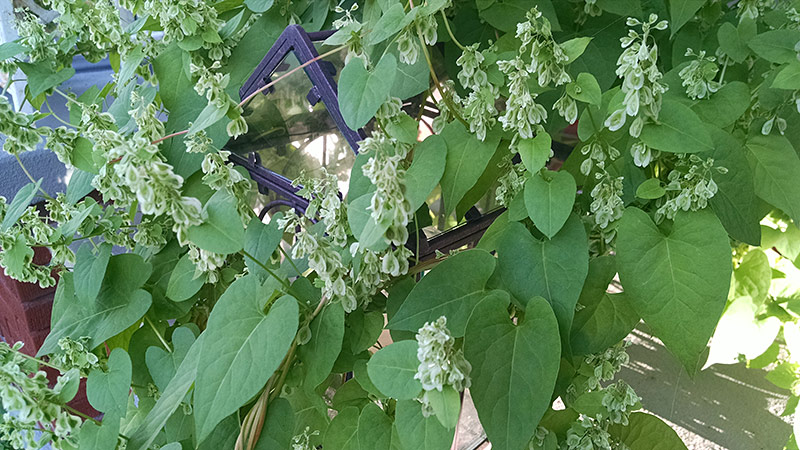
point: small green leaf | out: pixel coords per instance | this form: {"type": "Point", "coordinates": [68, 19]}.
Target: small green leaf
{"type": "Point", "coordinates": [210, 115]}
{"type": "Point", "coordinates": [222, 231]}
{"type": "Point", "coordinates": [261, 241]}
{"type": "Point", "coordinates": [651, 189]}
{"type": "Point", "coordinates": [361, 92]}
{"type": "Point", "coordinates": [108, 391]}
{"type": "Point", "coordinates": [419, 432]}
{"type": "Point", "coordinates": [681, 306]}
{"type": "Point", "coordinates": [682, 11]}
{"type": "Point", "coordinates": [183, 283]}
{"type": "Point", "coordinates": [319, 353]}
{"type": "Point", "coordinates": [426, 170]}
{"type": "Point", "coordinates": [753, 276]}
{"type": "Point", "coordinates": [392, 370]}
{"type": "Point", "coordinates": [390, 23]}
{"type": "Point", "coordinates": [369, 232]}
{"type": "Point", "coordinates": [446, 404]}
{"type": "Point", "coordinates": [732, 41]}
{"type": "Point", "coordinates": [81, 156]}
{"type": "Point", "coordinates": [586, 89]}
{"type": "Point", "coordinates": [129, 65]}
{"type": "Point", "coordinates": [514, 368]}
{"type": "Point", "coordinates": [450, 289]}
{"type": "Point", "coordinates": [364, 329]}
{"type": "Point", "coordinates": [535, 152]}
{"type": "Point", "coordinates": [17, 207]}
{"type": "Point", "coordinates": [259, 6]}
{"type": "Point", "coordinates": [788, 77]}
{"type": "Point", "coordinates": [89, 270]}
{"type": "Point", "coordinates": [549, 198]}
{"type": "Point", "coordinates": [410, 79]}
{"type": "Point", "coordinates": [341, 433]}
{"type": "Point", "coordinates": [10, 49]}
{"type": "Point", "coordinates": [467, 158]}
{"type": "Point", "coordinates": [575, 47]}
{"type": "Point", "coordinates": [163, 365]}
{"type": "Point", "coordinates": [777, 46]}
{"type": "Point", "coordinates": [647, 432]}
{"type": "Point", "coordinates": [80, 185]}
{"type": "Point", "coordinates": [243, 347]}
{"type": "Point", "coordinates": [776, 168]}
{"type": "Point", "coordinates": [726, 106]}
{"type": "Point", "coordinates": [42, 78]}
{"type": "Point", "coordinates": [678, 130]}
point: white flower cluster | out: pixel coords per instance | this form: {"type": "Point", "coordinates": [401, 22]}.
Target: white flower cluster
{"type": "Point", "coordinates": [33, 35]}
{"type": "Point", "coordinates": [619, 399]}
{"type": "Point", "coordinates": [33, 412]}
{"type": "Point", "coordinates": [478, 107]}
{"type": "Point", "coordinates": [691, 185]}
{"type": "Point", "coordinates": [425, 23]}
{"type": "Point", "coordinates": [145, 115]}
{"type": "Point", "coordinates": [386, 171]}
{"type": "Point", "coordinates": [606, 364]}
{"type": "Point", "coordinates": [220, 174]}
{"type": "Point", "coordinates": [698, 76]}
{"type": "Point", "coordinates": [322, 194]}
{"type": "Point", "coordinates": [19, 130]}
{"type": "Point", "coordinates": [587, 434]}
{"type": "Point", "coordinates": [511, 182]}
{"type": "Point", "coordinates": [548, 59]}
{"type": "Point", "coordinates": [211, 84]}
{"type": "Point", "coordinates": [61, 141]}
{"type": "Point", "coordinates": [97, 26]}
{"type": "Point", "coordinates": [206, 263]}
{"type": "Point", "coordinates": [75, 354]}
{"type": "Point", "coordinates": [440, 363]}
{"type": "Point", "coordinates": [445, 115]}
{"type": "Point", "coordinates": [16, 259]}
{"type": "Point", "coordinates": [135, 171]}
{"type": "Point", "coordinates": [591, 8]}
{"type": "Point", "coordinates": [751, 9]}
{"type": "Point", "coordinates": [184, 18]}
{"type": "Point", "coordinates": [322, 259]}
{"type": "Point", "coordinates": [599, 152]}
{"type": "Point", "coordinates": [607, 205]}
{"type": "Point", "coordinates": [303, 440]}
{"type": "Point", "coordinates": [522, 112]}
{"type": "Point", "coordinates": [641, 79]}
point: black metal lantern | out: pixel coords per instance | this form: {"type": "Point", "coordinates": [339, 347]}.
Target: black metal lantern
{"type": "Point", "coordinates": [299, 127]}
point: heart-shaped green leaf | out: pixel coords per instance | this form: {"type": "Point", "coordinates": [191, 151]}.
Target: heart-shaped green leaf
{"type": "Point", "coordinates": [222, 231]}
{"type": "Point", "coordinates": [419, 432]}
{"type": "Point", "coordinates": [108, 391]}
{"type": "Point", "coordinates": [392, 370]}
{"type": "Point", "coordinates": [362, 92]}
{"type": "Point", "coordinates": [549, 198]}
{"type": "Point", "coordinates": [514, 368]}
{"type": "Point", "coordinates": [680, 305]}
{"type": "Point", "coordinates": [182, 281]}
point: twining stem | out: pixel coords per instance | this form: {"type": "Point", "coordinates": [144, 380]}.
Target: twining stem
{"type": "Point", "coordinates": [307, 63]}
{"type": "Point", "coordinates": [291, 261]}
{"type": "Point", "coordinates": [450, 32]}
{"type": "Point", "coordinates": [44, 363]}
{"type": "Point", "coordinates": [267, 269]}
{"type": "Point", "coordinates": [30, 177]}
{"type": "Point", "coordinates": [446, 97]}
{"type": "Point", "coordinates": [160, 338]}
{"type": "Point", "coordinates": [177, 133]}
{"type": "Point", "coordinates": [80, 414]}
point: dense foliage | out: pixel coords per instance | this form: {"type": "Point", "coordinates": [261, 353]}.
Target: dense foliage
{"type": "Point", "coordinates": [210, 329]}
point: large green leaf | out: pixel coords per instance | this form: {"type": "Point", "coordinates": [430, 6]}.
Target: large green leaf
{"type": "Point", "coordinates": [243, 347]}
{"type": "Point", "coordinates": [319, 353]}
{"type": "Point", "coordinates": [369, 430]}
{"type": "Point", "coordinates": [776, 169]}
{"type": "Point", "coordinates": [119, 305]}
{"type": "Point", "coordinates": [682, 11]}
{"type": "Point", "coordinates": [549, 197]}
{"type": "Point", "coordinates": [426, 170]}
{"type": "Point", "coordinates": [451, 289]}
{"type": "Point", "coordinates": [788, 77]}
{"type": "Point", "coordinates": [222, 231]}
{"type": "Point", "coordinates": [735, 202]}
{"type": "Point", "coordinates": [678, 130]}
{"type": "Point", "coordinates": [554, 269]}
{"type": "Point", "coordinates": [725, 106]}
{"type": "Point", "coordinates": [647, 432]}
{"type": "Point", "coordinates": [278, 426]}
{"type": "Point", "coordinates": [411, 79]}
{"type": "Point", "coordinates": [107, 391]}
{"type": "Point", "coordinates": [678, 282]}
{"type": "Point", "coordinates": [514, 368]}
{"type": "Point", "coordinates": [183, 283]}
{"type": "Point", "coordinates": [169, 401]}
{"type": "Point", "coordinates": [535, 152]}
{"type": "Point", "coordinates": [605, 319]}
{"type": "Point", "coordinates": [419, 432]}
{"type": "Point", "coordinates": [89, 270]}
{"type": "Point", "coordinates": [260, 241]}
{"type": "Point", "coordinates": [41, 77]}
{"type": "Point", "coordinates": [733, 40]}
{"type": "Point", "coordinates": [392, 370]}
{"type": "Point", "coordinates": [362, 92]}
{"type": "Point", "coordinates": [777, 46]}
{"type": "Point", "coordinates": [17, 207]}
{"type": "Point", "coordinates": [467, 158]}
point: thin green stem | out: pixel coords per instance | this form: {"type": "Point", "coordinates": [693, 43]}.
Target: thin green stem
{"type": "Point", "coordinates": [69, 99]}
{"type": "Point", "coordinates": [450, 32]}
{"type": "Point", "coordinates": [80, 414]}
{"type": "Point", "coordinates": [47, 102]}
{"type": "Point", "coordinates": [30, 177]}
{"type": "Point", "coordinates": [267, 269]}
{"type": "Point", "coordinates": [445, 97]}
{"type": "Point", "coordinates": [158, 333]}
{"type": "Point", "coordinates": [44, 363]}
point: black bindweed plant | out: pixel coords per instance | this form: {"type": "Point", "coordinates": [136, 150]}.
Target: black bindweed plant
{"type": "Point", "coordinates": [213, 329]}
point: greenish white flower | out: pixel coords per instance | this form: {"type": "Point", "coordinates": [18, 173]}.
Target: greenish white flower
{"type": "Point", "coordinates": [303, 440]}
{"type": "Point", "coordinates": [698, 76]}
{"type": "Point", "coordinates": [478, 108]}
{"type": "Point", "coordinates": [607, 205]}
{"type": "Point", "coordinates": [587, 434]}
{"type": "Point", "coordinates": [440, 363]}
{"type": "Point", "coordinates": [691, 185]}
